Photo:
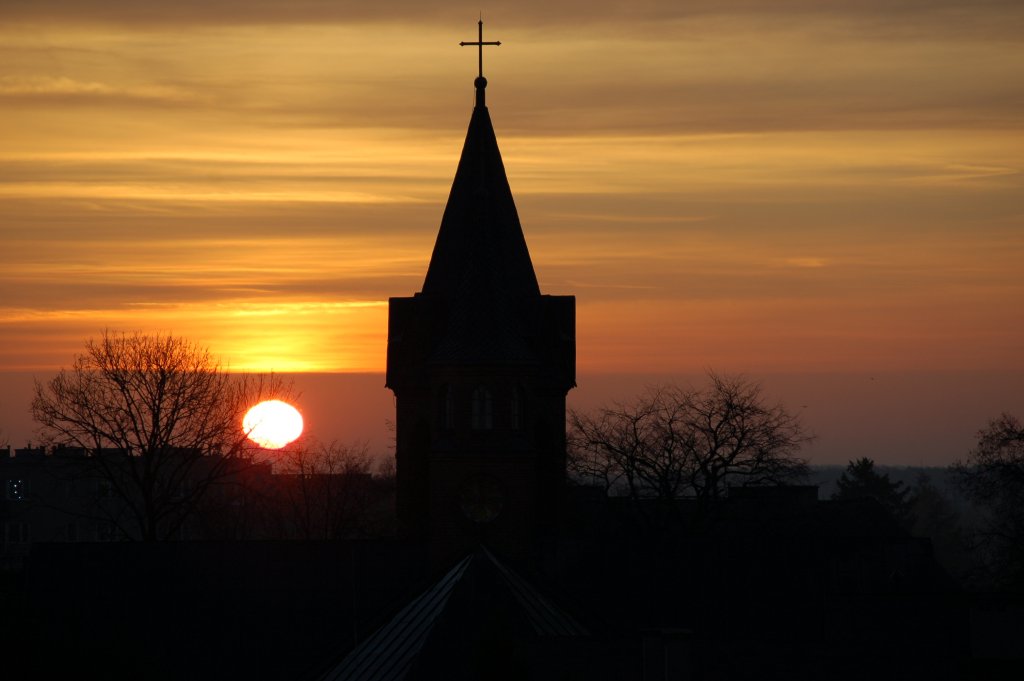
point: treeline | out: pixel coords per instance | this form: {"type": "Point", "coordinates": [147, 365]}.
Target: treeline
{"type": "Point", "coordinates": [695, 444]}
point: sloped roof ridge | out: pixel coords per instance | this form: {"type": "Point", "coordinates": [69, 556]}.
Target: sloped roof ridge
{"type": "Point", "coordinates": [388, 653]}
{"type": "Point", "coordinates": [546, 618]}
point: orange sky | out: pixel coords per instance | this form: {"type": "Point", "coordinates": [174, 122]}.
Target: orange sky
{"type": "Point", "coordinates": [820, 187]}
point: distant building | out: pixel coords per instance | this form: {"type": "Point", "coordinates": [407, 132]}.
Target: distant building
{"type": "Point", "coordinates": [39, 504]}
{"type": "Point", "coordinates": [61, 494]}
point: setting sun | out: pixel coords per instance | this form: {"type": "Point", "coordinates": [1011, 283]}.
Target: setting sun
{"type": "Point", "coordinates": [272, 424]}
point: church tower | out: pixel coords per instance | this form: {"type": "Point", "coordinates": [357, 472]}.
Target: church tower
{"type": "Point", "coordinates": [480, 363]}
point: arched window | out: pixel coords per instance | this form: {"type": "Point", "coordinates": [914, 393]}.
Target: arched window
{"type": "Point", "coordinates": [445, 408]}
{"type": "Point", "coordinates": [483, 409]}
{"type": "Point", "coordinates": [516, 408]}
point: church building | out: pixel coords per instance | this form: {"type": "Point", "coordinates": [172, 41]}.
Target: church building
{"type": "Point", "coordinates": [501, 569]}
{"type": "Point", "coordinates": [480, 362]}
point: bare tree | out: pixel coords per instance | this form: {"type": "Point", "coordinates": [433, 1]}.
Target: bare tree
{"type": "Point", "coordinates": [674, 442]}
{"type": "Point", "coordinates": [327, 490]}
{"type": "Point", "coordinates": [157, 422]}
{"type": "Point", "coordinates": [993, 478]}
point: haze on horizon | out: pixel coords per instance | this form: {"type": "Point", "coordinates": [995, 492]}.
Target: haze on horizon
{"type": "Point", "coordinates": [821, 188]}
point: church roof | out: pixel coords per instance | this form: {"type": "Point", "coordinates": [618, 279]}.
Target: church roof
{"type": "Point", "coordinates": [389, 653]}
{"type": "Point", "coordinates": [393, 651]}
{"type": "Point", "coordinates": [480, 246]}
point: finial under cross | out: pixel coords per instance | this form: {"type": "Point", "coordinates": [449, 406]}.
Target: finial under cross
{"type": "Point", "coordinates": [480, 44]}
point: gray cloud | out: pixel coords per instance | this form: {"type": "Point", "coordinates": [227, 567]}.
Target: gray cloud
{"type": "Point", "coordinates": [253, 173]}
{"type": "Point", "coordinates": [128, 290]}
{"type": "Point", "coordinates": [790, 68]}
{"type": "Point", "coordinates": [59, 220]}
{"type": "Point", "coordinates": [529, 13]}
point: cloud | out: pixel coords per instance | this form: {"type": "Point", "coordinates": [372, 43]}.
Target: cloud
{"type": "Point", "coordinates": [704, 76]}
{"type": "Point", "coordinates": [54, 89]}
{"type": "Point", "coordinates": [807, 262]}
{"type": "Point", "coordinates": [538, 14]}
{"type": "Point", "coordinates": [676, 165]}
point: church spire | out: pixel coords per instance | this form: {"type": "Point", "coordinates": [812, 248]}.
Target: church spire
{"type": "Point", "coordinates": [480, 363]}
{"type": "Point", "coordinates": [480, 248]}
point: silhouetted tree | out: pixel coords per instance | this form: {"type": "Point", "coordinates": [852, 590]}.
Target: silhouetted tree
{"type": "Point", "coordinates": [156, 422]}
{"type": "Point", "coordinates": [935, 517]}
{"type": "Point", "coordinates": [860, 480]}
{"type": "Point", "coordinates": [386, 472]}
{"type": "Point", "coordinates": [992, 477]}
{"type": "Point", "coordinates": [327, 489]}
{"type": "Point", "coordinates": [674, 442]}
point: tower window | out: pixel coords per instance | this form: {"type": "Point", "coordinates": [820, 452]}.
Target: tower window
{"type": "Point", "coordinates": [445, 408]}
{"type": "Point", "coordinates": [516, 408]}
{"type": "Point", "coordinates": [483, 409]}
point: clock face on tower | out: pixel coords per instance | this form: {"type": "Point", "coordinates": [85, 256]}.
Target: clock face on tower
{"type": "Point", "coordinates": [481, 499]}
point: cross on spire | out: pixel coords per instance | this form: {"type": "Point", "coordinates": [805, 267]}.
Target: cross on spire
{"type": "Point", "coordinates": [480, 46]}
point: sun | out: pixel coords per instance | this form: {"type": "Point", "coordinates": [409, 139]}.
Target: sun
{"type": "Point", "coordinates": [272, 424]}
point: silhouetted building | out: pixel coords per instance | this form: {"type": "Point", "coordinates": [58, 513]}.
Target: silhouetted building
{"type": "Point", "coordinates": [480, 363]}
{"type": "Point", "coordinates": [68, 494]}
{"type": "Point", "coordinates": [500, 569]}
